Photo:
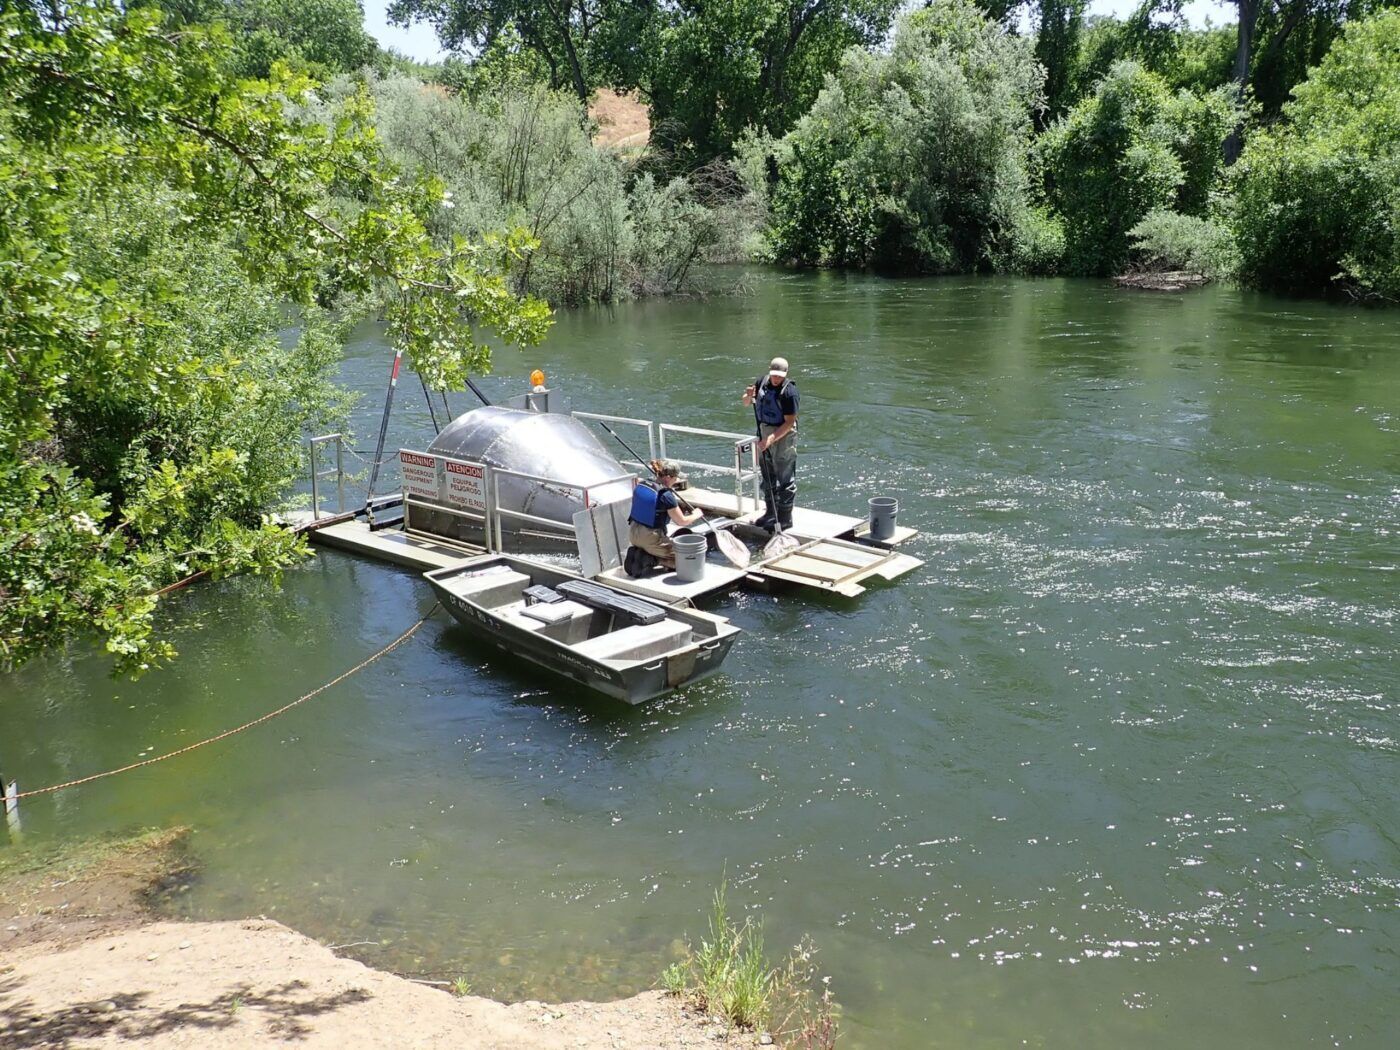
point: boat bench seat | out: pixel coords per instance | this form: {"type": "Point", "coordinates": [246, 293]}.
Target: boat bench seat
{"type": "Point", "coordinates": [489, 588]}
{"type": "Point", "coordinates": [638, 642]}
{"type": "Point", "coordinates": [605, 599]}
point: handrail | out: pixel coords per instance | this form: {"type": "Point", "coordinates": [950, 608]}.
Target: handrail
{"type": "Point", "coordinates": [338, 470]}
{"type": "Point", "coordinates": [742, 443]}
{"type": "Point", "coordinates": [676, 428]}
{"type": "Point", "coordinates": [647, 424]}
{"type": "Point", "coordinates": [498, 512]}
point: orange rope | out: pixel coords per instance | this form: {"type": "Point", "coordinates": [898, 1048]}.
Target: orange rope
{"type": "Point", "coordinates": [246, 725]}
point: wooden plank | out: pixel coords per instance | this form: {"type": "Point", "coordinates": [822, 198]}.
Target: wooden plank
{"type": "Point", "coordinates": [898, 566]}
{"type": "Point", "coordinates": [669, 590]}
{"type": "Point", "coordinates": [843, 555]}
{"type": "Point", "coordinates": [816, 569]}
{"type": "Point", "coordinates": [847, 588]}
{"type": "Point", "coordinates": [392, 545]}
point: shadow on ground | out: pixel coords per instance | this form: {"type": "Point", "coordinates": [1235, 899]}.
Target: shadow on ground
{"type": "Point", "coordinates": [281, 1012]}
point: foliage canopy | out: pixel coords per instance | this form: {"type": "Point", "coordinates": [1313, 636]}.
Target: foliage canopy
{"type": "Point", "coordinates": [1130, 148]}
{"type": "Point", "coordinates": [153, 213]}
{"type": "Point", "coordinates": [913, 160]}
{"type": "Point", "coordinates": [521, 156]}
{"type": "Point", "coordinates": [1317, 198]}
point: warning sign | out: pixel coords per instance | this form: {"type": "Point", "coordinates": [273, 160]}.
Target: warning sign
{"type": "Point", "coordinates": [420, 474]}
{"type": "Point", "coordinates": [466, 485]}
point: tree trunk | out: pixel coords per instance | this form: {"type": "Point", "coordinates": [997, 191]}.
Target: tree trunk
{"type": "Point", "coordinates": [1244, 43]}
{"type": "Point", "coordinates": [565, 23]}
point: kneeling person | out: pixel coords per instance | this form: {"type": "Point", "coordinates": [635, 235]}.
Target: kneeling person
{"type": "Point", "coordinates": [652, 503]}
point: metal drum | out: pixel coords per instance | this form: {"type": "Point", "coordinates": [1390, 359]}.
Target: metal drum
{"type": "Point", "coordinates": [542, 444]}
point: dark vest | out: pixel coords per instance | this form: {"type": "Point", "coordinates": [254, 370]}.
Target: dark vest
{"type": "Point", "coordinates": [769, 403]}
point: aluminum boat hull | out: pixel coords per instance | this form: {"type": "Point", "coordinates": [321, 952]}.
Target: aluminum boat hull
{"type": "Point", "coordinates": [633, 682]}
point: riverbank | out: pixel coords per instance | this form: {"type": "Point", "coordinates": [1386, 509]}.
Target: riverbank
{"type": "Point", "coordinates": [87, 963]}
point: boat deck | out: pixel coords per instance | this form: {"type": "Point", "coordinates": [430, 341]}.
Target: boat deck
{"type": "Point", "coordinates": [411, 550]}
{"type": "Point", "coordinates": [836, 556]}
{"type": "Point", "coordinates": [670, 589]}
{"type": "Point", "coordinates": [815, 524]}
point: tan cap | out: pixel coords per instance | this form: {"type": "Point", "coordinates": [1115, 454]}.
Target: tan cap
{"type": "Point", "coordinates": [778, 366]}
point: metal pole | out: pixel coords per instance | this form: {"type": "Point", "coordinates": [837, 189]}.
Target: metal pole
{"type": "Point", "coordinates": [315, 482]}
{"type": "Point", "coordinates": [738, 483]}
{"type": "Point", "coordinates": [429, 398]}
{"type": "Point", "coordinates": [488, 486]}
{"type": "Point", "coordinates": [496, 503]}
{"type": "Point", "coordinates": [383, 433]}
{"type": "Point", "coordinates": [12, 811]}
{"type": "Point", "coordinates": [340, 474]}
{"type": "Point", "coordinates": [473, 388]}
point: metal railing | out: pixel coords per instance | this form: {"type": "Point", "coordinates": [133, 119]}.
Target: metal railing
{"type": "Point", "coordinates": [496, 513]}
{"type": "Point", "coordinates": [743, 444]}
{"type": "Point", "coordinates": [645, 424]}
{"type": "Point", "coordinates": [490, 516]}
{"type": "Point", "coordinates": [409, 502]}
{"type": "Point", "coordinates": [313, 444]}
{"type": "Point", "coordinates": [744, 468]}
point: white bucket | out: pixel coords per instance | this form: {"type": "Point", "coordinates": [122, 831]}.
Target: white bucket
{"type": "Point", "coordinates": [883, 511]}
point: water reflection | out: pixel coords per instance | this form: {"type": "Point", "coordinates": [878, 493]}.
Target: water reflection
{"type": "Point", "coordinates": [1116, 767]}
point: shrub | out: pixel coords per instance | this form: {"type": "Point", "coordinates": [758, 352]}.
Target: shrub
{"type": "Point", "coordinates": [521, 156]}
{"type": "Point", "coordinates": [732, 978]}
{"type": "Point", "coordinates": [1130, 148]}
{"type": "Point", "coordinates": [1317, 199]}
{"type": "Point", "coordinates": [1039, 244]}
{"type": "Point", "coordinates": [1165, 240]}
{"type": "Point", "coordinates": [913, 160]}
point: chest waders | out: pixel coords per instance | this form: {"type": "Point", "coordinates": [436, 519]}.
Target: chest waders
{"type": "Point", "coordinates": [777, 464]}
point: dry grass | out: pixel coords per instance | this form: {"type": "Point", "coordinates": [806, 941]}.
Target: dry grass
{"type": "Point", "coordinates": [623, 121]}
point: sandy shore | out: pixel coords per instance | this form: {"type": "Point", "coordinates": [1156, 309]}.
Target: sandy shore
{"type": "Point", "coordinates": [83, 964]}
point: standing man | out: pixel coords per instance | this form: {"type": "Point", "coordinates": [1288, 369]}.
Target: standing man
{"type": "Point", "coordinates": [774, 401]}
{"type": "Point", "coordinates": [653, 503]}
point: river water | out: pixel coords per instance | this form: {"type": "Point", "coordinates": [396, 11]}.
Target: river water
{"type": "Point", "coordinates": [1118, 766]}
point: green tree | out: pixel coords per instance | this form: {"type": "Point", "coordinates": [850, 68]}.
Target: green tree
{"type": "Point", "coordinates": [719, 66]}
{"type": "Point", "coordinates": [1276, 42]}
{"type": "Point", "coordinates": [323, 36]}
{"type": "Point", "coordinates": [1130, 148]}
{"type": "Point", "coordinates": [521, 156]}
{"type": "Point", "coordinates": [317, 37]}
{"type": "Point", "coordinates": [708, 68]}
{"type": "Point", "coordinates": [153, 214]}
{"type": "Point", "coordinates": [1317, 198]}
{"type": "Point", "coordinates": [558, 31]}
{"type": "Point", "coordinates": [914, 160]}
{"type": "Point", "coordinates": [1059, 25]}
